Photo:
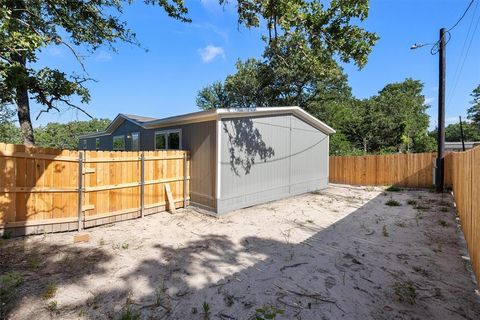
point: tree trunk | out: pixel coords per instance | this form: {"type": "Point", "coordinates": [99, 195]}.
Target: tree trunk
{"type": "Point", "coordinates": [23, 104]}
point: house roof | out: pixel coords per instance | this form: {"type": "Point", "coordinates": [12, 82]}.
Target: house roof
{"type": "Point", "coordinates": [213, 114]}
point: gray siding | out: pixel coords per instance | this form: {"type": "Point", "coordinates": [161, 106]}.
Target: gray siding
{"type": "Point", "coordinates": [198, 138]}
{"type": "Point", "coordinates": [267, 158]}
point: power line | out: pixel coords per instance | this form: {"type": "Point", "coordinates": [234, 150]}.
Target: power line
{"type": "Point", "coordinates": [463, 58]}
{"type": "Point", "coordinates": [463, 15]}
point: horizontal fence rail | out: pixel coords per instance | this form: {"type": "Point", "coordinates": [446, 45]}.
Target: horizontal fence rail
{"type": "Point", "coordinates": [47, 190]}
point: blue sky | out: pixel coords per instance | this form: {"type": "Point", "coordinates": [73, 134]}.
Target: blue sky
{"type": "Point", "coordinates": [183, 58]}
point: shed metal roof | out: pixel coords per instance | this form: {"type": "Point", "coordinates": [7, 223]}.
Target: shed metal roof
{"type": "Point", "coordinates": [213, 114]}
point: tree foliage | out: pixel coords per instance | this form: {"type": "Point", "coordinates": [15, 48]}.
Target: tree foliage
{"type": "Point", "coordinates": [54, 134]}
{"type": "Point", "coordinates": [473, 112]}
{"type": "Point", "coordinates": [28, 26]}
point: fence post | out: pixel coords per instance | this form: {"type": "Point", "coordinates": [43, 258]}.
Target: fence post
{"type": "Point", "coordinates": [142, 184]}
{"type": "Point", "coordinates": [80, 190]}
{"type": "Point", "coordinates": [184, 180]}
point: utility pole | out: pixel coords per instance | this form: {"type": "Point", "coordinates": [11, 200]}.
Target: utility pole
{"type": "Point", "coordinates": [439, 174]}
{"type": "Point", "coordinates": [461, 133]}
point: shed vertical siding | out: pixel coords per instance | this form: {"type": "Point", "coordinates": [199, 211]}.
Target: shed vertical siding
{"type": "Point", "coordinates": [267, 158]}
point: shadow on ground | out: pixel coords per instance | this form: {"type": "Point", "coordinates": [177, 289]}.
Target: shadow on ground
{"type": "Point", "coordinates": [340, 253]}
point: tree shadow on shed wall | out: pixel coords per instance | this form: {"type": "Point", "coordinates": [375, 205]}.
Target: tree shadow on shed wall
{"type": "Point", "coordinates": [245, 145]}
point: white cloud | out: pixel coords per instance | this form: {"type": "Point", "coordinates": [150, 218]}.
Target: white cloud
{"type": "Point", "coordinates": [103, 56]}
{"type": "Point", "coordinates": [55, 51]}
{"type": "Point", "coordinates": [210, 52]}
{"type": "Point", "coordinates": [429, 100]}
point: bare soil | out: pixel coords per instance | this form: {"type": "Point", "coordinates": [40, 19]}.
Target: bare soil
{"type": "Point", "coordinates": [340, 253]}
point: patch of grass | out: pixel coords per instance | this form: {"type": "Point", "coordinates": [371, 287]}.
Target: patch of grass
{"type": "Point", "coordinates": [443, 223]}
{"type": "Point", "coordinates": [422, 207]}
{"type": "Point", "coordinates": [33, 262]}
{"type": "Point", "coordinates": [444, 203]}
{"type": "Point", "coordinates": [229, 300]}
{"type": "Point", "coordinates": [49, 291]}
{"type": "Point", "coordinates": [52, 306]}
{"type": "Point", "coordinates": [8, 284]}
{"type": "Point", "coordinates": [128, 313]}
{"type": "Point", "coordinates": [393, 189]}
{"type": "Point", "coordinates": [385, 231]}
{"type": "Point", "coordinates": [268, 312]}
{"type": "Point", "coordinates": [6, 235]}
{"type": "Point", "coordinates": [393, 203]}
{"type": "Point", "coordinates": [400, 224]}
{"type": "Point", "coordinates": [412, 202]}
{"type": "Point", "coordinates": [206, 310]}
{"type": "Point", "coordinates": [405, 292]}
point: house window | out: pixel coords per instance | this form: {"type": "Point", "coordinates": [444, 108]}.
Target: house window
{"type": "Point", "coordinates": [84, 144]}
{"type": "Point", "coordinates": [97, 144]}
{"type": "Point", "coordinates": [135, 141]}
{"type": "Point", "coordinates": [169, 139]}
{"type": "Point", "coordinates": [119, 143]}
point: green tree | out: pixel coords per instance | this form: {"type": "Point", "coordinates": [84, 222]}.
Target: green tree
{"type": "Point", "coordinates": [473, 112]}
{"type": "Point", "coordinates": [28, 26]}
{"type": "Point", "coordinates": [65, 135]}
{"type": "Point", "coordinates": [471, 132]}
{"type": "Point", "coordinates": [9, 132]}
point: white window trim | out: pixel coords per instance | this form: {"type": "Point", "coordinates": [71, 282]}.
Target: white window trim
{"type": "Point", "coordinates": [131, 142]}
{"type": "Point", "coordinates": [124, 142]}
{"type": "Point", "coordinates": [166, 132]}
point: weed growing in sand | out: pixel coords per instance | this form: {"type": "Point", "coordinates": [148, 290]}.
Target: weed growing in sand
{"type": "Point", "coordinates": [49, 291]}
{"type": "Point", "coordinates": [128, 313]}
{"type": "Point", "coordinates": [422, 207]}
{"type": "Point", "coordinates": [443, 223]}
{"type": "Point", "coordinates": [444, 203]}
{"type": "Point", "coordinates": [400, 224]}
{"type": "Point", "coordinates": [309, 221]}
{"type": "Point", "coordinates": [418, 216]}
{"type": "Point", "coordinates": [385, 231]}
{"type": "Point", "coordinates": [445, 209]}
{"type": "Point", "coordinates": [8, 283]}
{"type": "Point", "coordinates": [267, 312]}
{"type": "Point", "coordinates": [318, 192]}
{"type": "Point", "coordinates": [124, 246]}
{"type": "Point", "coordinates": [52, 306]}
{"type": "Point", "coordinates": [33, 262]}
{"type": "Point", "coordinates": [206, 310]}
{"type": "Point", "coordinates": [102, 242]}
{"type": "Point", "coordinates": [412, 202]}
{"type": "Point", "coordinates": [393, 203]}
{"type": "Point", "coordinates": [6, 235]}
{"type": "Point", "coordinates": [405, 292]}
{"type": "Point", "coordinates": [393, 189]}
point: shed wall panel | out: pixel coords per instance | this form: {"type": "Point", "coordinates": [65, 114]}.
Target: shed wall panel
{"type": "Point", "coordinates": [267, 158]}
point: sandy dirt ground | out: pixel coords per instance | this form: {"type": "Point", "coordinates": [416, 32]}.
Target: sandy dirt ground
{"type": "Point", "coordinates": [340, 253]}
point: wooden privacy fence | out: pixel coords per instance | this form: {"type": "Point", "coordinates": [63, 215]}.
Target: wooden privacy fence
{"type": "Point", "coordinates": [49, 190]}
{"type": "Point", "coordinates": [406, 170]}
{"type": "Point", "coordinates": [465, 173]}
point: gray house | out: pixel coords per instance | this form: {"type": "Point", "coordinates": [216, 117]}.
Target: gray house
{"type": "Point", "coordinates": [240, 157]}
